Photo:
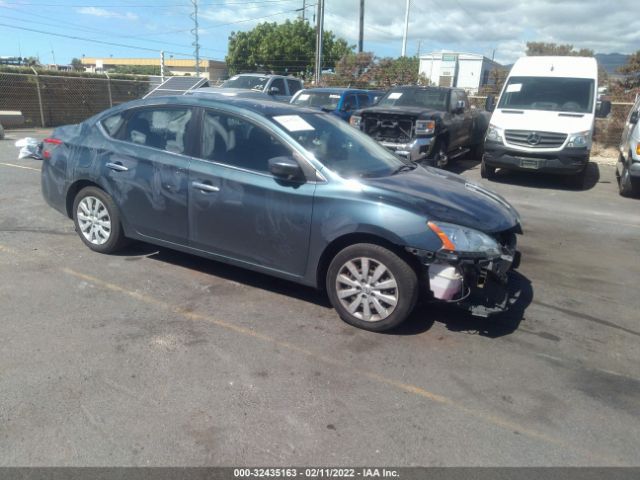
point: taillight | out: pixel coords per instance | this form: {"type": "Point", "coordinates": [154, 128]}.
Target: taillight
{"type": "Point", "coordinates": [48, 145]}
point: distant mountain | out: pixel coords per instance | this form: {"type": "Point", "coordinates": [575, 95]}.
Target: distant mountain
{"type": "Point", "coordinates": [611, 61]}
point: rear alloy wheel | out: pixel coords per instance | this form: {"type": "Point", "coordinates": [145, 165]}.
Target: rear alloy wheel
{"type": "Point", "coordinates": [626, 185]}
{"type": "Point", "coordinates": [371, 287]}
{"type": "Point", "coordinates": [97, 220]}
{"type": "Point", "coordinates": [487, 171]}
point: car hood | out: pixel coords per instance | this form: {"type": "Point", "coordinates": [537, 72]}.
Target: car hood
{"type": "Point", "coordinates": [445, 196]}
{"type": "Point", "coordinates": [542, 121]}
{"type": "Point", "coordinates": [404, 110]}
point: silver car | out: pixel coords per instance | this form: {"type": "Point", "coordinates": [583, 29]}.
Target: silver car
{"type": "Point", "coordinates": [628, 168]}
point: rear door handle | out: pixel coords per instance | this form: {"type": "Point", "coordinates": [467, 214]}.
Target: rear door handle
{"type": "Point", "coordinates": [118, 167]}
{"type": "Point", "coordinates": [205, 187]}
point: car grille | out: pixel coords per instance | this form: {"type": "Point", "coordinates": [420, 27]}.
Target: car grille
{"type": "Point", "coordinates": [533, 139]}
{"type": "Point", "coordinates": [389, 128]}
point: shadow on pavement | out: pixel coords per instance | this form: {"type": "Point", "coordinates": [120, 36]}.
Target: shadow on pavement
{"type": "Point", "coordinates": [421, 320]}
{"type": "Point", "coordinates": [549, 181]}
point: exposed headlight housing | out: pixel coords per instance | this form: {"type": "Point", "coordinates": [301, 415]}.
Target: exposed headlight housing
{"type": "Point", "coordinates": [425, 127]}
{"type": "Point", "coordinates": [494, 134]}
{"type": "Point", "coordinates": [580, 139]}
{"type": "Point", "coordinates": [460, 239]}
{"type": "Point", "coordinates": [355, 121]}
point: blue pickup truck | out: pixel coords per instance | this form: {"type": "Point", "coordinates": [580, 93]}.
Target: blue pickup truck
{"type": "Point", "coordinates": [339, 101]}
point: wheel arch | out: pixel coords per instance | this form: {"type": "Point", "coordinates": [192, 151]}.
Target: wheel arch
{"type": "Point", "coordinates": [73, 190]}
{"type": "Point", "coordinates": [343, 241]}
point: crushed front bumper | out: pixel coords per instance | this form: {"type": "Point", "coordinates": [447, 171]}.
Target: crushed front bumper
{"type": "Point", "coordinates": [485, 280]}
{"type": "Point", "coordinates": [414, 151]}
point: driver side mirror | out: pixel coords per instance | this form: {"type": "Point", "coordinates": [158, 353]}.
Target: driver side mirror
{"type": "Point", "coordinates": [346, 107]}
{"type": "Point", "coordinates": [459, 107]}
{"type": "Point", "coordinates": [286, 168]}
{"type": "Point", "coordinates": [633, 119]}
{"type": "Point", "coordinates": [274, 91]}
{"type": "Point", "coordinates": [490, 103]}
{"type": "Point", "coordinates": [604, 109]}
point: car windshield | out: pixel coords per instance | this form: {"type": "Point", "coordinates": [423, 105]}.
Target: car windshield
{"type": "Point", "coordinates": [249, 82]}
{"type": "Point", "coordinates": [431, 98]}
{"type": "Point", "coordinates": [543, 93]}
{"type": "Point", "coordinates": [324, 100]}
{"type": "Point", "coordinates": [338, 146]}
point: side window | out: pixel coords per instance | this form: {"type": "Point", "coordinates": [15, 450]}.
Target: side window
{"type": "Point", "coordinates": [279, 84]}
{"type": "Point", "coordinates": [239, 143]}
{"type": "Point", "coordinates": [112, 124]}
{"type": "Point", "coordinates": [349, 103]}
{"type": "Point", "coordinates": [294, 86]}
{"type": "Point", "coordinates": [163, 128]}
{"type": "Point", "coordinates": [363, 101]}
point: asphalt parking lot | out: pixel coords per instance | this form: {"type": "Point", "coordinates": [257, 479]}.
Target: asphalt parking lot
{"type": "Point", "coordinates": [153, 357]}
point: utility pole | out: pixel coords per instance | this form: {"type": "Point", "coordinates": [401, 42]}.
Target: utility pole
{"type": "Point", "coordinates": [406, 30]}
{"type": "Point", "coordinates": [304, 7]}
{"type": "Point", "coordinates": [196, 34]}
{"type": "Point", "coordinates": [419, 47]}
{"type": "Point", "coordinates": [319, 38]}
{"type": "Point", "coordinates": [162, 66]}
{"type": "Point", "coordinates": [361, 37]}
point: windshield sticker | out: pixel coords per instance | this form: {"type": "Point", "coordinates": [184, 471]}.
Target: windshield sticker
{"type": "Point", "coordinates": [514, 87]}
{"type": "Point", "coordinates": [395, 95]}
{"type": "Point", "coordinates": [303, 96]}
{"type": "Point", "coordinates": [293, 123]}
{"type": "Point", "coordinates": [334, 96]}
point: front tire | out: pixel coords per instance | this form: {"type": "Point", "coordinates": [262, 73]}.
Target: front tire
{"type": "Point", "coordinates": [439, 157]}
{"type": "Point", "coordinates": [487, 171]}
{"type": "Point", "coordinates": [97, 220]}
{"type": "Point", "coordinates": [371, 287]}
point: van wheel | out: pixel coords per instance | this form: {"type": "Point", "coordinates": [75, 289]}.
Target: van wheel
{"type": "Point", "coordinates": [487, 171]}
{"type": "Point", "coordinates": [626, 185]}
{"type": "Point", "coordinates": [371, 287]}
{"type": "Point", "coordinates": [97, 220]}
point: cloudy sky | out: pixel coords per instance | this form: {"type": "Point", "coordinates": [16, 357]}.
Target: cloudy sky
{"type": "Point", "coordinates": [63, 29]}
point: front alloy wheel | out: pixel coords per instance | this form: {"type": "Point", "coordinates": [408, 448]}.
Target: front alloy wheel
{"type": "Point", "coordinates": [367, 289]}
{"type": "Point", "coordinates": [371, 287]}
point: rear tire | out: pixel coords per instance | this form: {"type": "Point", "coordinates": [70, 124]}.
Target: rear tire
{"type": "Point", "coordinates": [487, 171]}
{"type": "Point", "coordinates": [371, 287]}
{"type": "Point", "coordinates": [97, 220]}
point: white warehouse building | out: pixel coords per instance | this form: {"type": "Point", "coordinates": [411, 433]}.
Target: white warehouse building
{"type": "Point", "coordinates": [462, 70]}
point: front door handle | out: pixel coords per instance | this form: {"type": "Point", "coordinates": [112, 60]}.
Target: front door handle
{"type": "Point", "coordinates": [205, 187]}
{"type": "Point", "coordinates": [118, 167]}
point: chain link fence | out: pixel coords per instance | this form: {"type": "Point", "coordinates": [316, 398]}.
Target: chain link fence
{"type": "Point", "coordinates": [50, 101]}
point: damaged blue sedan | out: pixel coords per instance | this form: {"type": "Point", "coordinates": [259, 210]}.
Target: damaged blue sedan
{"type": "Point", "coordinates": [286, 191]}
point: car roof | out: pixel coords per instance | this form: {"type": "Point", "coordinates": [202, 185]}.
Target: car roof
{"type": "Point", "coordinates": [423, 87]}
{"type": "Point", "coordinates": [260, 106]}
{"type": "Point", "coordinates": [267, 75]}
{"type": "Point", "coordinates": [337, 90]}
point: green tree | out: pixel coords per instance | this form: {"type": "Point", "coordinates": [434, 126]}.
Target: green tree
{"type": "Point", "coordinates": [632, 70]}
{"type": "Point", "coordinates": [536, 49]}
{"type": "Point", "coordinates": [399, 71]}
{"type": "Point", "coordinates": [76, 64]}
{"type": "Point", "coordinates": [288, 48]}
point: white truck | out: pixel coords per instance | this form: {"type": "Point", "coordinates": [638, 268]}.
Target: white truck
{"type": "Point", "coordinates": [545, 117]}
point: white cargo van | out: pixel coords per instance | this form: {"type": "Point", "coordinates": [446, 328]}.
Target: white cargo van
{"type": "Point", "coordinates": [544, 118]}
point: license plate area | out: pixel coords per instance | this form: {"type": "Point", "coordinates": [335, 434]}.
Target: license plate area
{"type": "Point", "coordinates": [530, 163]}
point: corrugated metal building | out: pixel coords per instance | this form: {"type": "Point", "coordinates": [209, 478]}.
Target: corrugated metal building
{"type": "Point", "coordinates": [453, 69]}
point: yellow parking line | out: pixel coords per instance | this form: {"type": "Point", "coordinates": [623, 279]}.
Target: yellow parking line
{"type": "Point", "coordinates": [20, 166]}
{"type": "Point", "coordinates": [381, 379]}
